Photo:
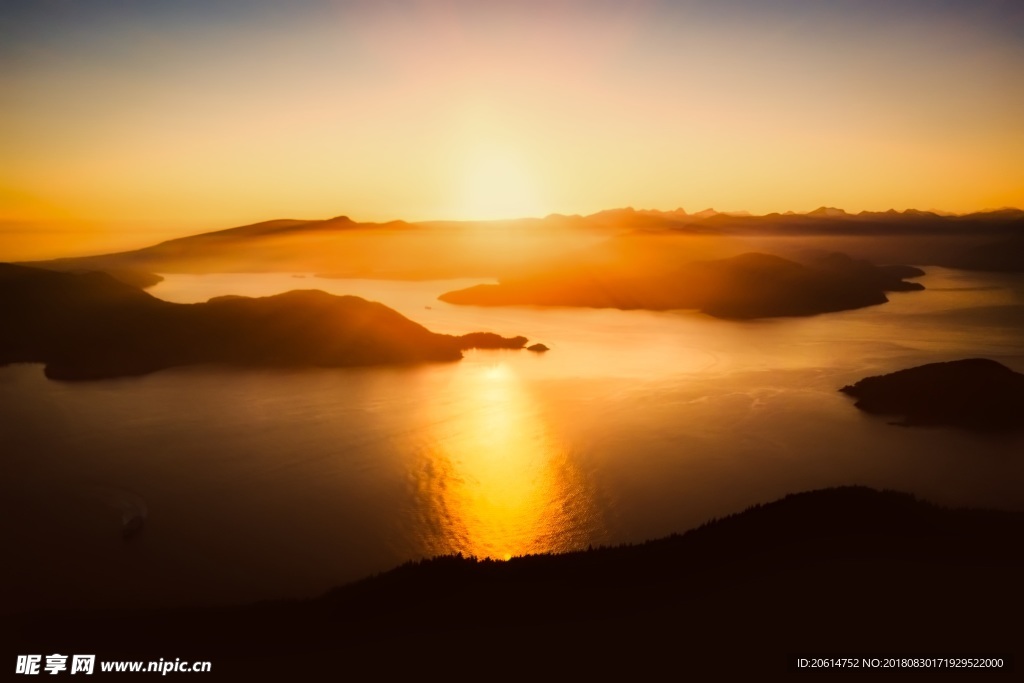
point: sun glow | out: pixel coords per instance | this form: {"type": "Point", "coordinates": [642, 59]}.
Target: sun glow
{"type": "Point", "coordinates": [497, 184]}
{"type": "Point", "coordinates": [425, 110]}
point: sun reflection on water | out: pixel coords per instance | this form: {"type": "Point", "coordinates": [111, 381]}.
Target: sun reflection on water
{"type": "Point", "coordinates": [495, 481]}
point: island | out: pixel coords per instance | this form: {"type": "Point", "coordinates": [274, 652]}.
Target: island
{"type": "Point", "coordinates": [92, 325]}
{"type": "Point", "coordinates": [751, 285]}
{"type": "Point", "coordinates": [975, 394]}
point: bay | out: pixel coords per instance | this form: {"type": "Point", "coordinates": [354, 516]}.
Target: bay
{"type": "Point", "coordinates": [259, 484]}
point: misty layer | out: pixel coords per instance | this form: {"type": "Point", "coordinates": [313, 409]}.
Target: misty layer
{"type": "Point", "coordinates": [90, 326]}
{"type": "Point", "coordinates": [341, 247]}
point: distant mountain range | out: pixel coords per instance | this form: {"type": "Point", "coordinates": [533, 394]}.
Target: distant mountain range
{"type": "Point", "coordinates": [990, 240]}
{"type": "Point", "coordinates": [824, 219]}
{"type": "Point", "coordinates": [1006, 213]}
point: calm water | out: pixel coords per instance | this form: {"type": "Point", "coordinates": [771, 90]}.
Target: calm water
{"type": "Point", "coordinates": [260, 484]}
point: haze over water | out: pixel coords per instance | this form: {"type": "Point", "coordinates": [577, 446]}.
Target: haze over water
{"type": "Point", "coordinates": [282, 483]}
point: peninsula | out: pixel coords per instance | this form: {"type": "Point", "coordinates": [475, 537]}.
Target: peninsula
{"type": "Point", "coordinates": [92, 326]}
{"type": "Point", "coordinates": [976, 394]}
{"type": "Point", "coordinates": [750, 285]}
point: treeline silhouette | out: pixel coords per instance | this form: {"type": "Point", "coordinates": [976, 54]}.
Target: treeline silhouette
{"type": "Point", "coordinates": [841, 570]}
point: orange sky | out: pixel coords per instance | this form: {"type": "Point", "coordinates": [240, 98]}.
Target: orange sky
{"type": "Point", "coordinates": [126, 126]}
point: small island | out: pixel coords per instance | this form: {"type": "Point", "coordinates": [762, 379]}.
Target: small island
{"type": "Point", "coordinates": [92, 326]}
{"type": "Point", "coordinates": [976, 394]}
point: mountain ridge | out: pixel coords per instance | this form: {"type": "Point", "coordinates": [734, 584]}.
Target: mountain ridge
{"type": "Point", "coordinates": [341, 247]}
{"type": "Point", "coordinates": [850, 570]}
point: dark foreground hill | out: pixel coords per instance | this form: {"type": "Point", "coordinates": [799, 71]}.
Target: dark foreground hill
{"type": "Point", "coordinates": [746, 286]}
{"type": "Point", "coordinates": [846, 571]}
{"type": "Point", "coordinates": [977, 394]}
{"type": "Point", "coordinates": [91, 326]}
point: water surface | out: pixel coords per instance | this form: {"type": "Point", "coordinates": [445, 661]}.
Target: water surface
{"type": "Point", "coordinates": [281, 483]}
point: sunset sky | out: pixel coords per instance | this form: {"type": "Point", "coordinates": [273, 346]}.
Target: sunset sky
{"type": "Point", "coordinates": [128, 122]}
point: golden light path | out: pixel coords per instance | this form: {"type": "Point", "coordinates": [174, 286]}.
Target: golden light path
{"type": "Point", "coordinates": [495, 481]}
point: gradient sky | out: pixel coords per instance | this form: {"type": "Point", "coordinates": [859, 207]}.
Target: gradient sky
{"type": "Point", "coordinates": [128, 122]}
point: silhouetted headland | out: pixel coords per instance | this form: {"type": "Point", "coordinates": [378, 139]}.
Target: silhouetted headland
{"type": "Point", "coordinates": [746, 286]}
{"type": "Point", "coordinates": [845, 571]}
{"type": "Point", "coordinates": [133, 277]}
{"type": "Point", "coordinates": [975, 394]}
{"type": "Point", "coordinates": [91, 326]}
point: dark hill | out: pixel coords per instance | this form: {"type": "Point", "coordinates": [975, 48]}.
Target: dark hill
{"type": "Point", "coordinates": [976, 394]}
{"type": "Point", "coordinates": [847, 571]}
{"type": "Point", "coordinates": [90, 326]}
{"type": "Point", "coordinates": [1004, 255]}
{"type": "Point", "coordinates": [745, 286]}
